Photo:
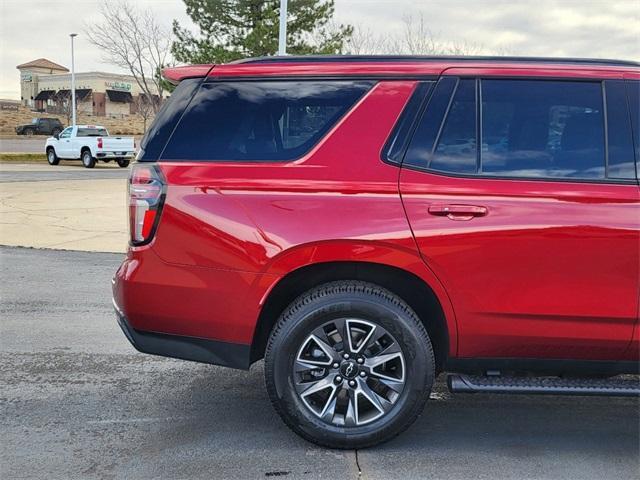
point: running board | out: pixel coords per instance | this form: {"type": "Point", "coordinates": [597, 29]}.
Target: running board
{"type": "Point", "coordinates": [613, 387]}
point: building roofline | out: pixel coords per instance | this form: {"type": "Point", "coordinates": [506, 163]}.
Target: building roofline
{"type": "Point", "coordinates": [42, 63]}
{"type": "Point", "coordinates": [83, 74]}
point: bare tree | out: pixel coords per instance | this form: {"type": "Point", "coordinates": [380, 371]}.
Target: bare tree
{"type": "Point", "coordinates": [146, 107]}
{"type": "Point", "coordinates": [364, 41]}
{"type": "Point", "coordinates": [63, 105]}
{"type": "Point", "coordinates": [132, 39]}
{"type": "Point", "coordinates": [416, 38]}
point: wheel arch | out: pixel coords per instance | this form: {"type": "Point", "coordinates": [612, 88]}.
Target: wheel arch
{"type": "Point", "coordinates": [416, 291]}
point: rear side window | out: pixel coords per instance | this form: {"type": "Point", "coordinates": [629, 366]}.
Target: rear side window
{"type": "Point", "coordinates": [92, 132]}
{"type": "Point", "coordinates": [419, 151]}
{"type": "Point", "coordinates": [633, 95]}
{"type": "Point", "coordinates": [166, 120]}
{"type": "Point", "coordinates": [621, 162]}
{"type": "Point", "coordinates": [456, 147]}
{"type": "Point", "coordinates": [542, 129]}
{"type": "Point", "coordinates": [521, 128]}
{"type": "Point", "coordinates": [260, 120]}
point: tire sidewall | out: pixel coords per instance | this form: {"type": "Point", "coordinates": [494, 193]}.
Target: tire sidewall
{"type": "Point", "coordinates": [418, 358]}
{"type": "Point", "coordinates": [87, 163]}
{"type": "Point", "coordinates": [52, 157]}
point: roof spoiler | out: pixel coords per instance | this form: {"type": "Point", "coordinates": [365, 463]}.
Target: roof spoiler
{"type": "Point", "coordinates": [175, 75]}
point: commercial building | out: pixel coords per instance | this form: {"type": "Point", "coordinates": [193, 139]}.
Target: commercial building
{"type": "Point", "coordinates": [46, 86]}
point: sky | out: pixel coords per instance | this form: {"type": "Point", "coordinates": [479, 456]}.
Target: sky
{"type": "Point", "coordinates": [31, 29]}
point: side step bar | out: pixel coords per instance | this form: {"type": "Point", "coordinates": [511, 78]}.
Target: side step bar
{"type": "Point", "coordinates": [613, 387]}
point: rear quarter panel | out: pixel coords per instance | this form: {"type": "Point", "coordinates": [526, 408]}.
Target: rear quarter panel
{"type": "Point", "coordinates": [246, 225]}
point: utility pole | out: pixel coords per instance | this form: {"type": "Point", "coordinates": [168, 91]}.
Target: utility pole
{"type": "Point", "coordinates": [73, 82]}
{"type": "Point", "coordinates": [282, 38]}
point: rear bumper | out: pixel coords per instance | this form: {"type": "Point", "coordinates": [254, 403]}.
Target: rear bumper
{"type": "Point", "coordinates": [196, 349]}
{"type": "Point", "coordinates": [115, 155]}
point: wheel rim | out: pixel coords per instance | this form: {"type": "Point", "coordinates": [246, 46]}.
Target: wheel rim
{"type": "Point", "coordinates": [86, 159]}
{"type": "Point", "coordinates": [349, 372]}
{"type": "Point", "coordinates": [51, 157]}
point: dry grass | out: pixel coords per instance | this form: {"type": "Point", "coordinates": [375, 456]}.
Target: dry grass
{"type": "Point", "coordinates": [23, 158]}
{"type": "Point", "coordinates": [130, 125]}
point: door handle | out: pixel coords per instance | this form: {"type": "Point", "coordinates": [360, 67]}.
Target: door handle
{"type": "Point", "coordinates": [457, 212]}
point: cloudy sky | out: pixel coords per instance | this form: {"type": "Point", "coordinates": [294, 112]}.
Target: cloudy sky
{"type": "Point", "coordinates": [31, 29]}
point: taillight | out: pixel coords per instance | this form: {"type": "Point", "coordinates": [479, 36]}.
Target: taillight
{"type": "Point", "coordinates": [99, 142]}
{"type": "Point", "coordinates": [146, 197]}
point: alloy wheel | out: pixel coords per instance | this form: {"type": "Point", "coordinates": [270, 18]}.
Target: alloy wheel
{"type": "Point", "coordinates": [349, 372]}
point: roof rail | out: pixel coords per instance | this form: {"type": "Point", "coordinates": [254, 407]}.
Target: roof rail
{"type": "Point", "coordinates": [432, 58]}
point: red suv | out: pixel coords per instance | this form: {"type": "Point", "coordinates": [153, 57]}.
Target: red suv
{"type": "Point", "coordinates": [366, 223]}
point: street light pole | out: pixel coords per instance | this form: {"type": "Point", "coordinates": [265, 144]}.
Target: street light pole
{"type": "Point", "coordinates": [282, 38]}
{"type": "Point", "coordinates": [73, 82]}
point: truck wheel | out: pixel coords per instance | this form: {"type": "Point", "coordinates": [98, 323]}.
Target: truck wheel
{"type": "Point", "coordinates": [52, 158]}
{"type": "Point", "coordinates": [87, 160]}
{"type": "Point", "coordinates": [349, 365]}
{"type": "Point", "coordinates": [29, 132]}
{"type": "Point", "coordinates": [123, 163]}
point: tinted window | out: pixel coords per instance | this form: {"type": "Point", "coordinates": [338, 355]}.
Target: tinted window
{"type": "Point", "coordinates": [166, 120]}
{"type": "Point", "coordinates": [633, 93]}
{"type": "Point", "coordinates": [456, 147]}
{"type": "Point", "coordinates": [621, 157]}
{"type": "Point", "coordinates": [254, 121]}
{"type": "Point", "coordinates": [542, 129]}
{"type": "Point", "coordinates": [402, 131]}
{"type": "Point", "coordinates": [421, 146]}
{"type": "Point", "coordinates": [92, 132]}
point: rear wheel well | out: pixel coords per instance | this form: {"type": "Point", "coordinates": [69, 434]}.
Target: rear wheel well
{"type": "Point", "coordinates": [413, 290]}
{"type": "Point", "coordinates": [85, 149]}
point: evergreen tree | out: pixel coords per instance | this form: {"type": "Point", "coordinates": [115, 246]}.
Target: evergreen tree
{"type": "Point", "coordinates": [233, 29]}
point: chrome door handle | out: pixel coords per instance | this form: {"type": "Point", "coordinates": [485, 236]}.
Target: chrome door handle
{"type": "Point", "coordinates": [458, 212]}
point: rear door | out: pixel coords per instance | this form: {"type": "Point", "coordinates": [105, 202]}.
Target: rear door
{"type": "Point", "coordinates": [523, 199]}
{"type": "Point", "coordinates": [42, 126]}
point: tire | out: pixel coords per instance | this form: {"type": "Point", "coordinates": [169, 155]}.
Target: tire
{"type": "Point", "coordinates": [52, 158]}
{"type": "Point", "coordinates": [29, 132]}
{"type": "Point", "coordinates": [367, 312]}
{"type": "Point", "coordinates": [122, 162]}
{"type": "Point", "coordinates": [87, 160]}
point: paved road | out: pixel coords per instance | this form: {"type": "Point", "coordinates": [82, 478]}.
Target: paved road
{"type": "Point", "coordinates": [78, 402]}
{"type": "Point", "coordinates": [25, 144]}
{"type": "Point", "coordinates": [42, 172]}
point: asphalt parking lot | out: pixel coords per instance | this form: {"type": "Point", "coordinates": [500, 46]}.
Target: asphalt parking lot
{"type": "Point", "coordinates": [23, 144]}
{"type": "Point", "coordinates": [63, 207]}
{"type": "Point", "coordinates": [78, 401]}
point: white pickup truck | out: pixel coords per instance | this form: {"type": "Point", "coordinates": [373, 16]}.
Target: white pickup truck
{"type": "Point", "coordinates": [89, 143]}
